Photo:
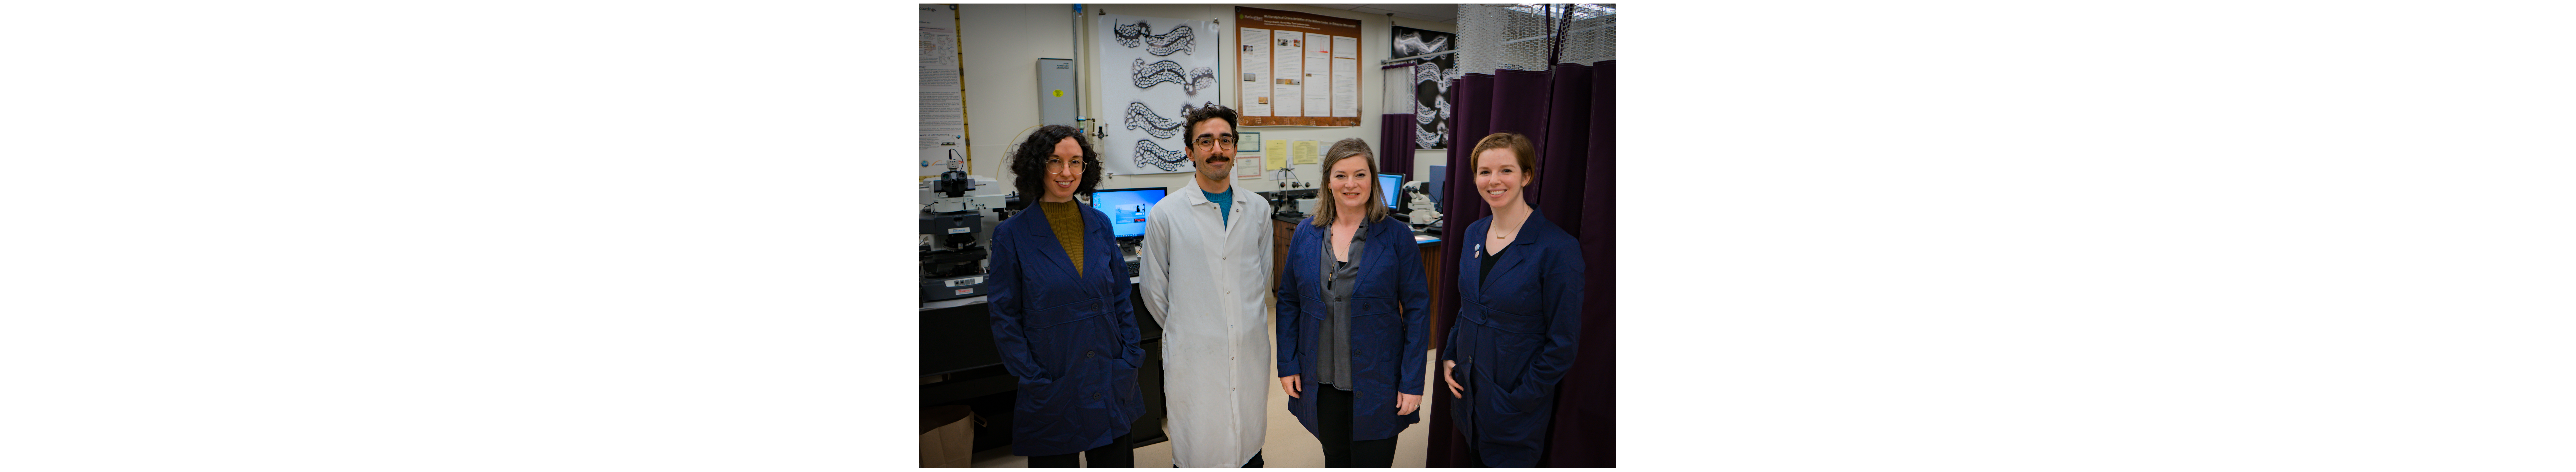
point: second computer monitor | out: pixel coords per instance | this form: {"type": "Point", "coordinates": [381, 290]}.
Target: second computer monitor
{"type": "Point", "coordinates": [1439, 179]}
{"type": "Point", "coordinates": [1126, 208]}
{"type": "Point", "coordinates": [1391, 186]}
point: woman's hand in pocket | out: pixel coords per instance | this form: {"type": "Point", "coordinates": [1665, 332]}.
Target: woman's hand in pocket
{"type": "Point", "coordinates": [1445, 367]}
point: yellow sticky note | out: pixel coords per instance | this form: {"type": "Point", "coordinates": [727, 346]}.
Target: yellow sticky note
{"type": "Point", "coordinates": [1279, 160]}
{"type": "Point", "coordinates": [1306, 151]}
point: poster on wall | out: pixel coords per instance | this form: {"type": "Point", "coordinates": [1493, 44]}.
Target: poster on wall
{"type": "Point", "coordinates": [943, 96]}
{"type": "Point", "coordinates": [1299, 69]}
{"type": "Point", "coordinates": [1431, 80]}
{"type": "Point", "coordinates": [1157, 70]}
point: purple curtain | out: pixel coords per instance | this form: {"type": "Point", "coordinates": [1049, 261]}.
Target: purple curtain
{"type": "Point", "coordinates": [1570, 112]}
{"type": "Point", "coordinates": [1395, 146]}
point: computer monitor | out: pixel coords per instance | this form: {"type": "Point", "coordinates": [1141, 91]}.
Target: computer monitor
{"type": "Point", "coordinates": [1391, 186]}
{"type": "Point", "coordinates": [1126, 208]}
{"type": "Point", "coordinates": [1439, 177]}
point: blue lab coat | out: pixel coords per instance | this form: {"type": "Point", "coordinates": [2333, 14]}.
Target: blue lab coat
{"type": "Point", "coordinates": [1386, 345]}
{"type": "Point", "coordinates": [1514, 337]}
{"type": "Point", "coordinates": [1071, 339]}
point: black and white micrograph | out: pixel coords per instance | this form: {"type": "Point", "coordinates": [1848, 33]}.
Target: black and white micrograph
{"type": "Point", "coordinates": [1432, 78]}
{"type": "Point", "coordinates": [1169, 81]}
{"type": "Point", "coordinates": [1142, 117]}
{"type": "Point", "coordinates": [1180, 39]}
{"type": "Point", "coordinates": [1414, 43]}
{"type": "Point", "coordinates": [1147, 75]}
{"type": "Point", "coordinates": [1201, 78]}
{"type": "Point", "coordinates": [1151, 154]}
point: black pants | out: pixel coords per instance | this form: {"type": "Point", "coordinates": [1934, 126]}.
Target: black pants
{"type": "Point", "coordinates": [1254, 463]}
{"type": "Point", "coordinates": [1118, 454]}
{"type": "Point", "coordinates": [1474, 460]}
{"type": "Point", "coordinates": [1333, 428]}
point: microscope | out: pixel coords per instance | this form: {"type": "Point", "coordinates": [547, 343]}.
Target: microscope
{"type": "Point", "coordinates": [1420, 210]}
{"type": "Point", "coordinates": [952, 228]}
{"type": "Point", "coordinates": [1283, 202]}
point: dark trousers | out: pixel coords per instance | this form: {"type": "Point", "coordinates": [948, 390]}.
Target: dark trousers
{"type": "Point", "coordinates": [1333, 428]}
{"type": "Point", "coordinates": [1120, 453]}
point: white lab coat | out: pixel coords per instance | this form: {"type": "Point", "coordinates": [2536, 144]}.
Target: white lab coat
{"type": "Point", "coordinates": [1205, 281]}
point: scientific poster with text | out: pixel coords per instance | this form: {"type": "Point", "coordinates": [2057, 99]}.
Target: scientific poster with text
{"type": "Point", "coordinates": [1299, 69]}
{"type": "Point", "coordinates": [943, 95]}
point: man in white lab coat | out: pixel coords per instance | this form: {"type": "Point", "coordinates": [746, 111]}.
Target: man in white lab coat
{"type": "Point", "coordinates": [1205, 268]}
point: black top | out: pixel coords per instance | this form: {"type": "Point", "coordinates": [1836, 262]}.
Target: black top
{"type": "Point", "coordinates": [1488, 262]}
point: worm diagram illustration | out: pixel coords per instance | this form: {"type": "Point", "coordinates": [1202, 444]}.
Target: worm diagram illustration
{"type": "Point", "coordinates": [1181, 39]}
{"type": "Point", "coordinates": [1148, 153]}
{"type": "Point", "coordinates": [1146, 75]}
{"type": "Point", "coordinates": [1167, 78]}
{"type": "Point", "coordinates": [1431, 80]}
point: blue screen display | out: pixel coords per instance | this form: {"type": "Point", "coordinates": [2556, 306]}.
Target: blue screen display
{"type": "Point", "coordinates": [1126, 208]}
{"type": "Point", "coordinates": [1439, 182]}
{"type": "Point", "coordinates": [1388, 185]}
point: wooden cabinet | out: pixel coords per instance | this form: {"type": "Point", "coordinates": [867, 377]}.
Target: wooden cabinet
{"type": "Point", "coordinates": [1280, 232]}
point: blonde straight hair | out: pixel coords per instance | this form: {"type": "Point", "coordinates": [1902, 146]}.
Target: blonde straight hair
{"type": "Point", "coordinates": [1329, 210]}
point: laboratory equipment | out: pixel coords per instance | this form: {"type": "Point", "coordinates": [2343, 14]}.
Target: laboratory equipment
{"type": "Point", "coordinates": [952, 225]}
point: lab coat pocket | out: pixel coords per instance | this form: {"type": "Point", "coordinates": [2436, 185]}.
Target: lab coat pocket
{"type": "Point", "coordinates": [1494, 397]}
{"type": "Point", "coordinates": [1035, 397]}
{"type": "Point", "coordinates": [1122, 382]}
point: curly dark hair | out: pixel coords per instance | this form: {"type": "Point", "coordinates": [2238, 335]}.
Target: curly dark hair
{"type": "Point", "coordinates": [1190, 122]}
{"type": "Point", "coordinates": [1028, 164]}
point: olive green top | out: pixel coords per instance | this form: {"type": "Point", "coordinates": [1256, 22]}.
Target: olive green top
{"type": "Point", "coordinates": [1066, 218]}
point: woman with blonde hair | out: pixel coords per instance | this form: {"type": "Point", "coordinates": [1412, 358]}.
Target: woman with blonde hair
{"type": "Point", "coordinates": [1351, 320]}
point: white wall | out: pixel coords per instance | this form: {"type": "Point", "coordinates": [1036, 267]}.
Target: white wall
{"type": "Point", "coordinates": [1003, 42]}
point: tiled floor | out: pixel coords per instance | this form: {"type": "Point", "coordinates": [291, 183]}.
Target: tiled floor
{"type": "Point", "coordinates": [1286, 444]}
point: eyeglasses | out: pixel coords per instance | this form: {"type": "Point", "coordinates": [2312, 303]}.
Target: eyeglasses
{"type": "Point", "coordinates": [1054, 163]}
{"type": "Point", "coordinates": [1205, 142]}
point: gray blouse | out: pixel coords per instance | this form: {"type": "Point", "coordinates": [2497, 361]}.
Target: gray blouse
{"type": "Point", "coordinates": [1333, 341]}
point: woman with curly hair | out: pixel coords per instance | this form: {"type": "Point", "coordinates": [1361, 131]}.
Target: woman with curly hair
{"type": "Point", "coordinates": [1060, 311]}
